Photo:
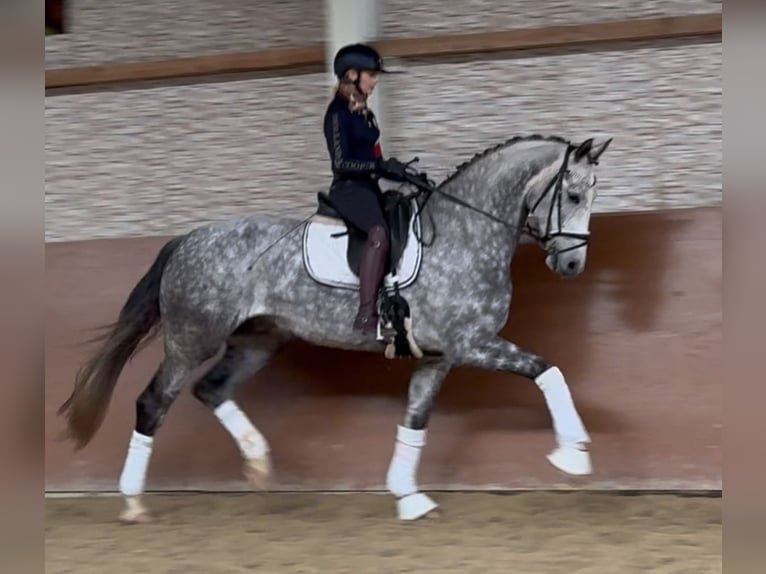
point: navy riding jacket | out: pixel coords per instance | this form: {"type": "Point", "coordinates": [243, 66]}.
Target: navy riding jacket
{"type": "Point", "coordinates": [353, 141]}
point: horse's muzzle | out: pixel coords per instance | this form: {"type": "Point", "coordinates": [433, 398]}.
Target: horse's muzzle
{"type": "Point", "coordinates": [568, 264]}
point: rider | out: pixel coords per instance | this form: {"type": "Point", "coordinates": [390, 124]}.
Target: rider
{"type": "Point", "coordinates": [353, 142]}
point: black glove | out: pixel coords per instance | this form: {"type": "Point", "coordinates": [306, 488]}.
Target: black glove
{"type": "Point", "coordinates": [393, 169]}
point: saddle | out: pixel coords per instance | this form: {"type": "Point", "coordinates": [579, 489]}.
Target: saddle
{"type": "Point", "coordinates": [397, 210]}
{"type": "Point", "coordinates": [403, 257]}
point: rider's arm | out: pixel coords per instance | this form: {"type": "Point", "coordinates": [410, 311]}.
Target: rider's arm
{"type": "Point", "coordinates": [336, 134]}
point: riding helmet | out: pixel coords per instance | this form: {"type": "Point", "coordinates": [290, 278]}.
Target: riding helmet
{"type": "Point", "coordinates": [359, 57]}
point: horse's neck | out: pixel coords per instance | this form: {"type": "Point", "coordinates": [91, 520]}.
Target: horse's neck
{"type": "Point", "coordinates": [473, 212]}
{"type": "Point", "coordinates": [496, 184]}
{"type": "Point", "coordinates": [499, 182]}
{"type": "Point", "coordinates": [462, 232]}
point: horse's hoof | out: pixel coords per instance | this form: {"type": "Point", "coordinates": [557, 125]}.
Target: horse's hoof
{"type": "Point", "coordinates": [134, 512]}
{"type": "Point", "coordinates": [415, 506]}
{"type": "Point", "coordinates": [258, 472]}
{"type": "Point", "coordinates": [571, 460]}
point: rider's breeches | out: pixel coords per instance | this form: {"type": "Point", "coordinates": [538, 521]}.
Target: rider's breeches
{"type": "Point", "coordinates": [359, 203]}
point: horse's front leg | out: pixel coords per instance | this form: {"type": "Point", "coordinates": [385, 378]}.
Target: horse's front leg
{"type": "Point", "coordinates": [401, 480]}
{"type": "Point", "coordinates": [495, 353]}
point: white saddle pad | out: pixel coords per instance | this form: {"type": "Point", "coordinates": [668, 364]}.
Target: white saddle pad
{"type": "Point", "coordinates": [324, 256]}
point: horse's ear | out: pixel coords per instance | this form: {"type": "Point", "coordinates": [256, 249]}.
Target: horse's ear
{"type": "Point", "coordinates": [583, 149]}
{"type": "Point", "coordinates": [598, 149]}
{"type": "Point", "coordinates": [592, 150]}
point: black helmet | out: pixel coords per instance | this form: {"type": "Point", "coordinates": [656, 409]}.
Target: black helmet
{"type": "Point", "coordinates": [358, 56]}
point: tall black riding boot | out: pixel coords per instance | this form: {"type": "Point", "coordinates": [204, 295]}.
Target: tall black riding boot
{"type": "Point", "coordinates": [371, 270]}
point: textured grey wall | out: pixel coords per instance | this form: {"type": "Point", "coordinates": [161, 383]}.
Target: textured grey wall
{"type": "Point", "coordinates": [403, 18]}
{"type": "Point", "coordinates": [108, 32]}
{"type": "Point", "coordinates": [160, 160]}
{"type": "Point", "coordinates": [104, 32]}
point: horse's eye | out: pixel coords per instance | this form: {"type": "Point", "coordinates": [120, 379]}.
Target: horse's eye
{"type": "Point", "coordinates": [574, 198]}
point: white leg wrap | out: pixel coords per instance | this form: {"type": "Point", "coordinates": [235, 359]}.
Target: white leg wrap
{"type": "Point", "coordinates": [401, 480]}
{"type": "Point", "coordinates": [251, 442]}
{"type": "Point", "coordinates": [569, 457]}
{"type": "Point", "coordinates": [570, 430]}
{"type": "Point", "coordinates": [137, 460]}
{"type": "Point", "coordinates": [402, 471]}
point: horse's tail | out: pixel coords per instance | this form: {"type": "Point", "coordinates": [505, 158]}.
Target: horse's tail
{"type": "Point", "coordinates": [139, 320]}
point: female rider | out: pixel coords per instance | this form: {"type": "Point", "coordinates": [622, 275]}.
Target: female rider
{"type": "Point", "coordinates": [352, 136]}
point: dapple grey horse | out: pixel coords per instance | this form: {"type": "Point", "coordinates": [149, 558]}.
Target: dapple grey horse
{"type": "Point", "coordinates": [241, 288]}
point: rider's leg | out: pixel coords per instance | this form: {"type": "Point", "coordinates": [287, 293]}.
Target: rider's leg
{"type": "Point", "coordinates": [371, 270]}
{"type": "Point", "coordinates": [360, 204]}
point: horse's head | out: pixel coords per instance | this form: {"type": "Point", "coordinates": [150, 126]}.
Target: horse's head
{"type": "Point", "coordinates": [559, 207]}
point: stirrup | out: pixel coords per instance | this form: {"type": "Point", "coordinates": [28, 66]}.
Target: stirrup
{"type": "Point", "coordinates": [385, 332]}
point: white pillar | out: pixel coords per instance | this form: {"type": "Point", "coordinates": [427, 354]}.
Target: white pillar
{"type": "Point", "coordinates": [349, 21]}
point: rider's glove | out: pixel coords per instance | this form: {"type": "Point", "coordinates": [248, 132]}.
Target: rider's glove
{"type": "Point", "coordinates": [393, 169]}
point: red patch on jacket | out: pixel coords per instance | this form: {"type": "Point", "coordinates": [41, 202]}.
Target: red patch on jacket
{"type": "Point", "coordinates": [377, 151]}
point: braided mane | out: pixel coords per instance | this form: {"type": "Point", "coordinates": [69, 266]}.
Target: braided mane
{"type": "Point", "coordinates": [507, 143]}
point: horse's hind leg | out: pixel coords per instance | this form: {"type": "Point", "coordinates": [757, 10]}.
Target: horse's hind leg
{"type": "Point", "coordinates": [401, 479]}
{"type": "Point", "coordinates": [151, 407]}
{"type": "Point", "coordinates": [240, 362]}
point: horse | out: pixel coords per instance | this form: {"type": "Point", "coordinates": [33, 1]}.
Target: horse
{"type": "Point", "coordinates": [246, 286]}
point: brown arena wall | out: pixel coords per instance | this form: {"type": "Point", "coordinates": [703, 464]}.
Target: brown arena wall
{"type": "Point", "coordinates": [638, 337]}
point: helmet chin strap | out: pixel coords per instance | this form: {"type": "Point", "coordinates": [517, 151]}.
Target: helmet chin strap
{"type": "Point", "coordinates": [355, 83]}
{"type": "Point", "coordinates": [357, 88]}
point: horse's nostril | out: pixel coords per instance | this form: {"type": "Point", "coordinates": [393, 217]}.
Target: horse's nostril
{"type": "Point", "coordinates": [571, 265]}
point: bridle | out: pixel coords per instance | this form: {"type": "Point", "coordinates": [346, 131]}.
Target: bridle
{"type": "Point", "coordinates": [557, 185]}
{"type": "Point", "coordinates": [428, 188]}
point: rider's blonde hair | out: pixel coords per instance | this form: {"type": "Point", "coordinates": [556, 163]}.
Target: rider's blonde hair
{"type": "Point", "coordinates": [357, 101]}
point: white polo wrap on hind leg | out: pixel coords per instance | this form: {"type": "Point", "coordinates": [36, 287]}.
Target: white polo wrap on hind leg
{"type": "Point", "coordinates": [134, 472]}
{"type": "Point", "coordinates": [570, 430]}
{"type": "Point", "coordinates": [252, 444]}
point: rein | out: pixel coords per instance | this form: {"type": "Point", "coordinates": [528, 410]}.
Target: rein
{"type": "Point", "coordinates": [427, 188]}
